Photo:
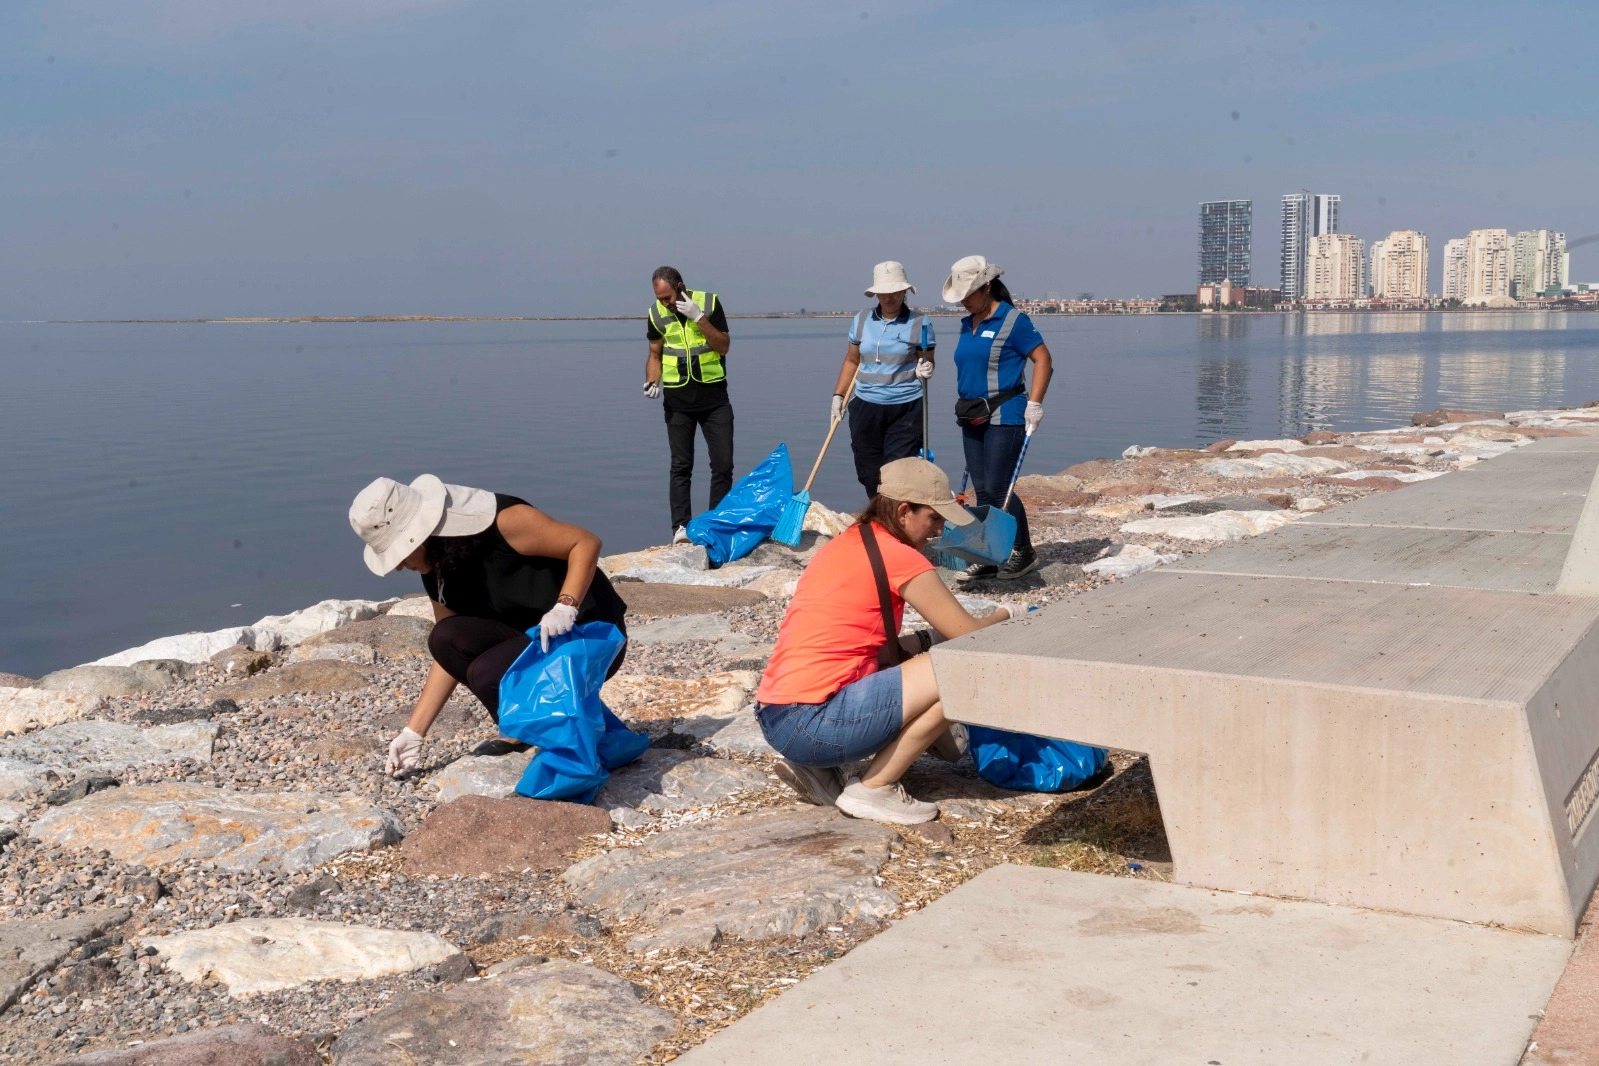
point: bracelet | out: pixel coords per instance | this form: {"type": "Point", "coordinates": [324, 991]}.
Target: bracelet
{"type": "Point", "coordinates": [566, 599]}
{"type": "Point", "coordinates": [924, 637]}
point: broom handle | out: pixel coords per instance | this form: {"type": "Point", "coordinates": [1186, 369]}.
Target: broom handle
{"type": "Point", "coordinates": [834, 429]}
{"type": "Point", "coordinates": [1026, 440]}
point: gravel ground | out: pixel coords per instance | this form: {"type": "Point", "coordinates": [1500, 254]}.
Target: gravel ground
{"type": "Point", "coordinates": [335, 742]}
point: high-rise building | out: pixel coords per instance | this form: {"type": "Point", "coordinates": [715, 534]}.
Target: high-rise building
{"type": "Point", "coordinates": [1399, 266]}
{"type": "Point", "coordinates": [1224, 241]}
{"type": "Point", "coordinates": [1488, 260]}
{"type": "Point", "coordinates": [1306, 215]}
{"type": "Point", "coordinates": [1335, 269]}
{"type": "Point", "coordinates": [1455, 287]}
{"type": "Point", "coordinates": [1539, 262]}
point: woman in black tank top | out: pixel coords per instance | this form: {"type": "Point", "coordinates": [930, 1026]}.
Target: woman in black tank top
{"type": "Point", "coordinates": [493, 567]}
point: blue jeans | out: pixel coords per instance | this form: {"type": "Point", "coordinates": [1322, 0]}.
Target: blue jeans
{"type": "Point", "coordinates": [857, 722]}
{"type": "Point", "coordinates": [991, 453]}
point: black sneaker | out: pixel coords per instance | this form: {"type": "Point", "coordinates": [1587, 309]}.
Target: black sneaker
{"type": "Point", "coordinates": [1022, 562]}
{"type": "Point", "coordinates": [978, 573]}
{"type": "Point", "coordinates": [500, 746]}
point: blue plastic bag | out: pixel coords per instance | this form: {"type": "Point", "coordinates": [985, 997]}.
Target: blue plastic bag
{"type": "Point", "coordinates": [1032, 764]}
{"type": "Point", "coordinates": [748, 513]}
{"type": "Point", "coordinates": [552, 700]}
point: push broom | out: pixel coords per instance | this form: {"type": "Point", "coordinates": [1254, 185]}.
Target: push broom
{"type": "Point", "coordinates": [792, 522]}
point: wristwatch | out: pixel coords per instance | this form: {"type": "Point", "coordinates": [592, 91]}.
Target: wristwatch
{"type": "Point", "coordinates": [566, 599]}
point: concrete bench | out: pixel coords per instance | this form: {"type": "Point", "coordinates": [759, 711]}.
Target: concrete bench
{"type": "Point", "coordinates": [1394, 705]}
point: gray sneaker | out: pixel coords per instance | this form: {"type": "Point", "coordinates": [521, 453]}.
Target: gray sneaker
{"type": "Point", "coordinates": [820, 787]}
{"type": "Point", "coordinates": [951, 743]}
{"type": "Point", "coordinates": [891, 804]}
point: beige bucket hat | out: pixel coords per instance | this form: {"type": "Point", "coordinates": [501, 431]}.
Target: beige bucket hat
{"type": "Point", "coordinates": [393, 518]}
{"type": "Point", "coordinates": [889, 277]}
{"type": "Point", "coordinates": [967, 276]}
{"type": "Point", "coordinates": [916, 480]}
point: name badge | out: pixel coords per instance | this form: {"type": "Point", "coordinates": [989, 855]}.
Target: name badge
{"type": "Point", "coordinates": [988, 333]}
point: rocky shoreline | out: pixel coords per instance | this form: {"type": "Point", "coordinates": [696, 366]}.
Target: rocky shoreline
{"type": "Point", "coordinates": [200, 842]}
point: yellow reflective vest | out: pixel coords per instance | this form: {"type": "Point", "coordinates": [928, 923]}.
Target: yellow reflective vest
{"type": "Point", "coordinates": [685, 353]}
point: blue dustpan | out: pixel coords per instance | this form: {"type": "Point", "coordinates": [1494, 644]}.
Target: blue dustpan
{"type": "Point", "coordinates": [986, 542]}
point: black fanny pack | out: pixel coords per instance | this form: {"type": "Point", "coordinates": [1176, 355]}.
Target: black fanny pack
{"type": "Point", "coordinates": [977, 410]}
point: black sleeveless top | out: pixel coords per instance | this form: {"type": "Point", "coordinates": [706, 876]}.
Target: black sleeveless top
{"type": "Point", "coordinates": [488, 578]}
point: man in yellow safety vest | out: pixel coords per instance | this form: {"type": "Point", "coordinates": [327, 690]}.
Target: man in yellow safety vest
{"type": "Point", "coordinates": [688, 351]}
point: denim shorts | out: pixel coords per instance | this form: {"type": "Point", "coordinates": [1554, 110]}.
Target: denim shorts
{"type": "Point", "coordinates": [856, 723]}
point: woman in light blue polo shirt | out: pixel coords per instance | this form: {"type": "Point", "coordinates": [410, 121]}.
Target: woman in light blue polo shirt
{"type": "Point", "coordinates": [997, 407]}
{"type": "Point", "coordinates": [893, 351]}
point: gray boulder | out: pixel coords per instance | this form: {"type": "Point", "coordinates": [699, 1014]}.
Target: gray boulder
{"type": "Point", "coordinates": [665, 780]}
{"type": "Point", "coordinates": [32, 946]}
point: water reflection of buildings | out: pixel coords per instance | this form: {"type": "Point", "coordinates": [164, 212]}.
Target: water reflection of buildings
{"type": "Point", "coordinates": [1322, 387]}
{"type": "Point", "coordinates": [1222, 385]}
{"type": "Point", "coordinates": [1499, 380]}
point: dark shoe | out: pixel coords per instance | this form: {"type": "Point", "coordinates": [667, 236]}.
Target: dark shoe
{"type": "Point", "coordinates": [1022, 562]}
{"type": "Point", "coordinates": [979, 573]}
{"type": "Point", "coordinates": [500, 746]}
{"type": "Point", "coordinates": [818, 786]}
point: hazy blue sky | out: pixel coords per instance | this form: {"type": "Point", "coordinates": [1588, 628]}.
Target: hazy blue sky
{"type": "Point", "coordinates": [246, 157]}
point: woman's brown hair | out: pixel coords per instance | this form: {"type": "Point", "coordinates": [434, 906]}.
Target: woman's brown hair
{"type": "Point", "coordinates": [885, 512]}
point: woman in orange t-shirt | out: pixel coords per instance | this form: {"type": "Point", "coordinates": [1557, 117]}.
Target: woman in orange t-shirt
{"type": "Point", "coordinates": [826, 699]}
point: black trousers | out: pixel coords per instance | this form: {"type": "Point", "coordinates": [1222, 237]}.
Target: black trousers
{"type": "Point", "coordinates": [717, 427]}
{"type": "Point", "coordinates": [478, 651]}
{"type": "Point", "coordinates": [880, 433]}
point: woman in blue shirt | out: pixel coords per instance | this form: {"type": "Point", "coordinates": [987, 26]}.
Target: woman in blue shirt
{"type": "Point", "coordinates": [997, 406]}
{"type": "Point", "coordinates": [893, 351]}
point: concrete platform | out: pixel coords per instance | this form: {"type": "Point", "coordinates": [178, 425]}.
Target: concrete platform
{"type": "Point", "coordinates": [1375, 711]}
{"type": "Point", "coordinates": [1046, 966]}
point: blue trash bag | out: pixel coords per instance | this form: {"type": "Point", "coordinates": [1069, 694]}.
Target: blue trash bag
{"type": "Point", "coordinates": [1032, 764]}
{"type": "Point", "coordinates": [748, 513]}
{"type": "Point", "coordinates": [552, 700]}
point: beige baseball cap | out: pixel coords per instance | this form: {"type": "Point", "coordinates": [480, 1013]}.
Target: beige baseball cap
{"type": "Point", "coordinates": [967, 276]}
{"type": "Point", "coordinates": [916, 480]}
{"type": "Point", "coordinates": [889, 277]}
{"type": "Point", "coordinates": [393, 518]}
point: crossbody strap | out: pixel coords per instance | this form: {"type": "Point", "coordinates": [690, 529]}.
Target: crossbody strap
{"type": "Point", "coordinates": [890, 653]}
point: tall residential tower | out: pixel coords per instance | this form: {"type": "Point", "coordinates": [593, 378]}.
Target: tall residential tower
{"type": "Point", "coordinates": [1539, 263]}
{"type": "Point", "coordinates": [1399, 266]}
{"type": "Point", "coordinates": [1224, 240]}
{"type": "Point", "coordinates": [1306, 215]}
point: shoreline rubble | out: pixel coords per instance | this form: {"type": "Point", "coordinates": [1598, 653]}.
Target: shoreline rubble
{"type": "Point", "coordinates": [290, 717]}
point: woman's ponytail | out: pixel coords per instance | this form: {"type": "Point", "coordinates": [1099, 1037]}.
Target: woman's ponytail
{"type": "Point", "coordinates": [998, 291]}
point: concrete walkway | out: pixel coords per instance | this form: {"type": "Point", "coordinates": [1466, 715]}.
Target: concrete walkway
{"type": "Point", "coordinates": [1028, 965]}
{"type": "Point", "coordinates": [1392, 706]}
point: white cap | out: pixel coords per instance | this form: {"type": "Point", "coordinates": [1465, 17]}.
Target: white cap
{"type": "Point", "coordinates": [967, 276]}
{"type": "Point", "coordinates": [393, 518]}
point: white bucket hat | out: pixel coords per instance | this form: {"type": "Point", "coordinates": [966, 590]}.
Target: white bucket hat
{"type": "Point", "coordinates": [393, 518]}
{"type": "Point", "coordinates": [967, 276]}
{"type": "Point", "coordinates": [889, 277]}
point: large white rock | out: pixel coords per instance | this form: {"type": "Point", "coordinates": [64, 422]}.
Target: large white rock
{"type": "Point", "coordinates": [734, 576]}
{"type": "Point", "coordinates": [1132, 559]}
{"type": "Point", "coordinates": [151, 825]}
{"type": "Point", "coordinates": [95, 680]}
{"type": "Point", "coordinates": [413, 607]}
{"type": "Point", "coordinates": [482, 775]}
{"type": "Point", "coordinates": [268, 954]}
{"type": "Point", "coordinates": [1275, 465]}
{"type": "Point", "coordinates": [1261, 445]}
{"type": "Point", "coordinates": [829, 523]}
{"type": "Point", "coordinates": [75, 749]}
{"type": "Point", "coordinates": [1219, 525]}
{"type": "Point", "coordinates": [289, 629]}
{"type": "Point", "coordinates": [1397, 475]}
{"type": "Point", "coordinates": [187, 647]}
{"type": "Point", "coordinates": [22, 709]}
{"type": "Point", "coordinates": [672, 556]}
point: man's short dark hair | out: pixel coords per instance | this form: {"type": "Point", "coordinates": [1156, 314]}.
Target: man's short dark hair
{"type": "Point", "coordinates": [669, 275]}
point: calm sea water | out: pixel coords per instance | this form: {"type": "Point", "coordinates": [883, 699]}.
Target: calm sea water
{"type": "Point", "coordinates": [163, 478]}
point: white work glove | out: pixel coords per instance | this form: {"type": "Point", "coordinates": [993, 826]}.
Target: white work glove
{"type": "Point", "coordinates": [838, 408]}
{"type": "Point", "coordinates": [652, 390]}
{"type": "Point", "coordinates": [557, 621]}
{"type": "Point", "coordinates": [1034, 415]}
{"type": "Point", "coordinates": [405, 751]}
{"type": "Point", "coordinates": [689, 309]}
{"type": "Point", "coordinates": [924, 369]}
{"type": "Point", "coordinates": [1016, 610]}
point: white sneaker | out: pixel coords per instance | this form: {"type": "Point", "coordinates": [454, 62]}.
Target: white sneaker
{"type": "Point", "coordinates": [681, 536]}
{"type": "Point", "coordinates": [891, 804]}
